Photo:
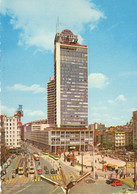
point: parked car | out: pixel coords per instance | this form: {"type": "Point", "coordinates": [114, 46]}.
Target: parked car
{"type": "Point", "coordinates": [39, 170]}
{"type": "Point", "coordinates": [52, 171]}
{"type": "Point", "coordinates": [117, 182]}
{"type": "Point", "coordinates": [109, 181]}
{"type": "Point", "coordinates": [47, 171]}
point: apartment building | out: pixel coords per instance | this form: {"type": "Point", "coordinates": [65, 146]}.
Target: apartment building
{"type": "Point", "coordinates": [12, 127]}
{"type": "Point", "coordinates": [117, 138]}
{"type": "Point", "coordinates": [2, 140]}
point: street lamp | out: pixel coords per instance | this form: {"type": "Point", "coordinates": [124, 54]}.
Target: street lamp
{"type": "Point", "coordinates": [135, 171]}
{"type": "Point", "coordinates": [93, 147]}
{"type": "Point", "coordinates": [82, 162]}
{"type": "Point", "coordinates": [93, 159]}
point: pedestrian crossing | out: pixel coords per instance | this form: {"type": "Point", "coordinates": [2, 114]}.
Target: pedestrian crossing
{"type": "Point", "coordinates": [36, 179]}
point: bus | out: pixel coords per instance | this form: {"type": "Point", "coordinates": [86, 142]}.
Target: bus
{"type": "Point", "coordinates": [36, 157]}
{"type": "Point", "coordinates": [15, 169]}
{"type": "Point", "coordinates": [21, 167]}
{"type": "Point", "coordinates": [31, 169]}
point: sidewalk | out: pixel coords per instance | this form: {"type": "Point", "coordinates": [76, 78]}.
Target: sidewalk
{"type": "Point", "coordinates": [102, 175]}
{"type": "Point", "coordinates": [129, 181]}
{"type": "Point", "coordinates": [87, 159]}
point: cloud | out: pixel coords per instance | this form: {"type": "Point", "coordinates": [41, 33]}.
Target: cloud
{"type": "Point", "coordinates": [120, 98]}
{"type": "Point", "coordinates": [111, 101]}
{"type": "Point", "coordinates": [10, 111]}
{"type": "Point", "coordinates": [6, 110]}
{"type": "Point", "coordinates": [97, 80]}
{"type": "Point", "coordinates": [33, 113]}
{"type": "Point", "coordinates": [35, 88]}
{"type": "Point", "coordinates": [36, 19]}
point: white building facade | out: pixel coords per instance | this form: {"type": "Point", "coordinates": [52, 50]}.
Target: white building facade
{"type": "Point", "coordinates": [12, 126]}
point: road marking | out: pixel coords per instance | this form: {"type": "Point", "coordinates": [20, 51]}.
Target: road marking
{"type": "Point", "coordinates": [66, 176]}
{"type": "Point", "coordinates": [25, 179]}
{"type": "Point", "coordinates": [19, 179]}
{"type": "Point", "coordinates": [73, 175]}
{"type": "Point", "coordinates": [57, 177]}
{"type": "Point", "coordinates": [12, 180]}
{"type": "Point", "coordinates": [38, 179]}
{"type": "Point", "coordinates": [15, 180]}
{"type": "Point", "coordinates": [9, 180]}
{"type": "Point", "coordinates": [23, 189]}
{"type": "Point", "coordinates": [51, 177]}
{"type": "Point", "coordinates": [54, 177]}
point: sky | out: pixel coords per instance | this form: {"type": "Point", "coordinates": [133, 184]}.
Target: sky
{"type": "Point", "coordinates": [108, 28]}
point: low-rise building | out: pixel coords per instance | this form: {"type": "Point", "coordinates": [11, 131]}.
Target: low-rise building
{"type": "Point", "coordinates": [119, 137]}
{"type": "Point", "coordinates": [12, 127]}
{"type": "Point", "coordinates": [60, 139]}
{"type": "Point", "coordinates": [134, 120]}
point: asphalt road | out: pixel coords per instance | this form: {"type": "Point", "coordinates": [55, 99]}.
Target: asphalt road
{"type": "Point", "coordinates": [43, 187]}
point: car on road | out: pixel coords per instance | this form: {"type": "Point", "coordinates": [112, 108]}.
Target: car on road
{"type": "Point", "coordinates": [52, 171]}
{"type": "Point", "coordinates": [46, 170]}
{"type": "Point", "coordinates": [39, 170]}
{"type": "Point", "coordinates": [109, 181]}
{"type": "Point", "coordinates": [117, 183]}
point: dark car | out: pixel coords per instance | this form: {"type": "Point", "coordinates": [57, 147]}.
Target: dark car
{"type": "Point", "coordinates": [45, 167]}
{"type": "Point", "coordinates": [46, 171]}
{"type": "Point", "coordinates": [52, 171]}
{"type": "Point", "coordinates": [109, 181]}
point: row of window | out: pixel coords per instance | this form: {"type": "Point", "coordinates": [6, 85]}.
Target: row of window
{"type": "Point", "coordinates": [12, 144]}
{"type": "Point", "coordinates": [12, 140]}
{"type": "Point", "coordinates": [12, 136]}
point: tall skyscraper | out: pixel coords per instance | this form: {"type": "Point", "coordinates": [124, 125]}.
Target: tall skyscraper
{"type": "Point", "coordinates": [67, 98]}
{"type": "Point", "coordinates": [71, 80]}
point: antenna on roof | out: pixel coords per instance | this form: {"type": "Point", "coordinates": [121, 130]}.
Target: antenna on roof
{"type": "Point", "coordinates": [57, 25]}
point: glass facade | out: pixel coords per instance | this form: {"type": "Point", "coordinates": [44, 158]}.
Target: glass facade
{"type": "Point", "coordinates": [74, 85]}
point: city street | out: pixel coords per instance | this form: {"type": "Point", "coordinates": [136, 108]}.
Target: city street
{"type": "Point", "coordinates": [35, 184]}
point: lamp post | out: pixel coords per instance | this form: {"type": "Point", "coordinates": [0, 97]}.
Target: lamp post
{"type": "Point", "coordinates": [93, 154]}
{"type": "Point", "coordinates": [135, 171]}
{"type": "Point", "coordinates": [93, 147]}
{"type": "Point", "coordinates": [82, 162]}
{"type": "Point", "coordinates": [93, 158]}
